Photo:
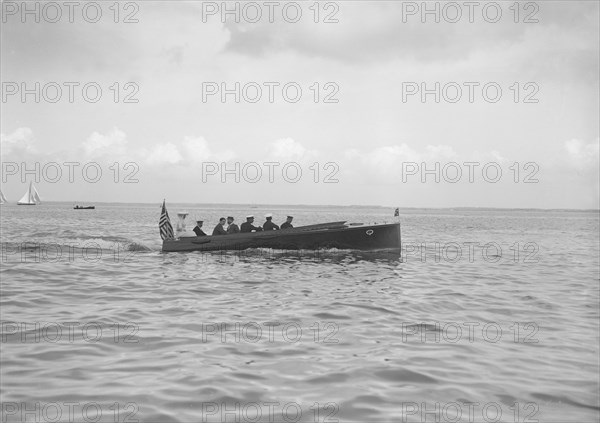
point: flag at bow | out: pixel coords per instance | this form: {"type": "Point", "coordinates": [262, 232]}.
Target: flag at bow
{"type": "Point", "coordinates": [164, 224]}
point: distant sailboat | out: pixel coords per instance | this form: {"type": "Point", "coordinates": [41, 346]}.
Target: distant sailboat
{"type": "Point", "coordinates": [31, 197]}
{"type": "Point", "coordinates": [3, 198]}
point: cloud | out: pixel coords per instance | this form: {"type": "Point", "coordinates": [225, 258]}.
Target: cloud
{"type": "Point", "coordinates": [386, 31]}
{"type": "Point", "coordinates": [19, 143]}
{"type": "Point", "coordinates": [289, 149]}
{"type": "Point", "coordinates": [196, 150]}
{"type": "Point", "coordinates": [174, 54]}
{"type": "Point", "coordinates": [114, 143]}
{"type": "Point", "coordinates": [441, 151]}
{"type": "Point", "coordinates": [385, 164]}
{"type": "Point", "coordinates": [167, 153]}
{"type": "Point", "coordinates": [387, 160]}
{"type": "Point", "coordinates": [192, 151]}
{"type": "Point", "coordinates": [583, 154]}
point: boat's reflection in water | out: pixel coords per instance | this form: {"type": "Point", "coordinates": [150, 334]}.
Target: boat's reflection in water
{"type": "Point", "coordinates": [334, 256]}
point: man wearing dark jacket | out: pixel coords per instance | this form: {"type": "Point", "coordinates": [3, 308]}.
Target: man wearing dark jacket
{"type": "Point", "coordinates": [247, 226]}
{"type": "Point", "coordinates": [288, 223]}
{"type": "Point", "coordinates": [232, 228]}
{"type": "Point", "coordinates": [269, 225]}
{"type": "Point", "coordinates": [219, 230]}
{"type": "Point", "coordinates": [198, 228]}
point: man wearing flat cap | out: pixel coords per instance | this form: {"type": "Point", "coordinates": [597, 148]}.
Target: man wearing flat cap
{"type": "Point", "coordinates": [288, 223]}
{"type": "Point", "coordinates": [198, 228]}
{"type": "Point", "coordinates": [269, 225]}
{"type": "Point", "coordinates": [232, 228]}
{"type": "Point", "coordinates": [247, 226]}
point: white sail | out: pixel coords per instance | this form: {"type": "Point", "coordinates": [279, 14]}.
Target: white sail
{"type": "Point", "coordinates": [2, 198]}
{"type": "Point", "coordinates": [26, 199]}
{"type": "Point", "coordinates": [31, 196]}
{"type": "Point", "coordinates": [36, 196]}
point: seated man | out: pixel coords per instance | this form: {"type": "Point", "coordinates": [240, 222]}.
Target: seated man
{"type": "Point", "coordinates": [219, 229]}
{"type": "Point", "coordinates": [198, 228]}
{"type": "Point", "coordinates": [232, 228]}
{"type": "Point", "coordinates": [288, 223]}
{"type": "Point", "coordinates": [247, 226]}
{"type": "Point", "coordinates": [268, 225]}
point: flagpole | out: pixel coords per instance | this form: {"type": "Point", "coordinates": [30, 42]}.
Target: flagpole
{"type": "Point", "coordinates": [164, 224]}
{"type": "Point", "coordinates": [397, 214]}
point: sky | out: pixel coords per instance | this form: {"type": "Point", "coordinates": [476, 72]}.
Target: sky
{"type": "Point", "coordinates": [384, 103]}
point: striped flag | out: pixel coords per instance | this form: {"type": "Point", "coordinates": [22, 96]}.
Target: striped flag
{"type": "Point", "coordinates": [164, 224]}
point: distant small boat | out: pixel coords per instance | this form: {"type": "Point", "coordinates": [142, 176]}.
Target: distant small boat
{"type": "Point", "coordinates": [3, 198]}
{"type": "Point", "coordinates": [84, 208]}
{"type": "Point", "coordinates": [31, 197]}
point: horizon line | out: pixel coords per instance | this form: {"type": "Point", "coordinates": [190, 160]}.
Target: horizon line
{"type": "Point", "coordinates": [332, 205]}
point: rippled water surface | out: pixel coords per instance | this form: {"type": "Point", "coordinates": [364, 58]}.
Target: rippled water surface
{"type": "Point", "coordinates": [504, 329]}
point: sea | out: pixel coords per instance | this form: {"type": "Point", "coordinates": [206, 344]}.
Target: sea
{"type": "Point", "coordinates": [485, 315]}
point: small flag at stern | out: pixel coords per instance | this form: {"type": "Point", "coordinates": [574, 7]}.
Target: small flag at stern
{"type": "Point", "coordinates": [164, 224]}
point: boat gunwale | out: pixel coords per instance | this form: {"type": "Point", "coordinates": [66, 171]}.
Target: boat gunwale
{"type": "Point", "coordinates": [277, 233]}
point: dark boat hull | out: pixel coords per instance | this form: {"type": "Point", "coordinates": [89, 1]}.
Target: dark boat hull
{"type": "Point", "coordinates": [85, 208]}
{"type": "Point", "coordinates": [364, 237]}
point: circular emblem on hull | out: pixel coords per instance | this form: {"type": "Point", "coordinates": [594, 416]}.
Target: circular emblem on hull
{"type": "Point", "coordinates": [370, 232]}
